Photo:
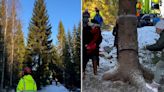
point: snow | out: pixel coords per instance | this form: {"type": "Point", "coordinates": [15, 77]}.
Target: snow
{"type": "Point", "coordinates": [94, 83]}
{"type": "Point", "coordinates": [106, 36]}
{"type": "Point", "coordinates": [162, 9]}
{"type": "Point", "coordinates": [54, 88]}
{"type": "Point", "coordinates": [146, 36]}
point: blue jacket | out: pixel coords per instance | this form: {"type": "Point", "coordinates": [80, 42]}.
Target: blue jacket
{"type": "Point", "coordinates": [98, 18]}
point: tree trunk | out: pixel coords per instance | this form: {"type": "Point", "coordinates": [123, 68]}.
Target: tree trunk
{"type": "Point", "coordinates": [4, 49]}
{"type": "Point", "coordinates": [12, 52]}
{"type": "Point", "coordinates": [5, 17]}
{"type": "Point", "coordinates": [12, 40]}
{"type": "Point", "coordinates": [128, 68]}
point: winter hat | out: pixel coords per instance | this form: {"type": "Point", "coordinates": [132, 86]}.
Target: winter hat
{"type": "Point", "coordinates": [86, 10]}
{"type": "Point", "coordinates": [160, 25]}
{"type": "Point", "coordinates": [96, 9]}
{"type": "Point", "coordinates": [27, 70]}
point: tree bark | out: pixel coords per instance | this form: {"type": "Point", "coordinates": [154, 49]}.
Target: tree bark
{"type": "Point", "coordinates": [12, 40]}
{"type": "Point", "coordinates": [129, 68]}
{"type": "Point", "coordinates": [5, 17]}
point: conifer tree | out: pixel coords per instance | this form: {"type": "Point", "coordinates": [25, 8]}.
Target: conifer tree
{"type": "Point", "coordinates": [55, 66]}
{"type": "Point", "coordinates": [62, 48]}
{"type": "Point", "coordinates": [69, 68]}
{"type": "Point", "coordinates": [77, 53]}
{"type": "Point", "coordinates": [39, 43]}
{"type": "Point", "coordinates": [19, 52]}
{"type": "Point", "coordinates": [61, 38]}
{"type": "Point", "coordinates": [70, 44]}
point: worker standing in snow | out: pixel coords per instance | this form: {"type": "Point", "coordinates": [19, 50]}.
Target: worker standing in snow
{"type": "Point", "coordinates": [86, 38]}
{"type": "Point", "coordinates": [26, 83]}
{"type": "Point", "coordinates": [158, 46]}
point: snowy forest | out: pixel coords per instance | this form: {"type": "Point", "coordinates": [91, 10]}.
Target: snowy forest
{"type": "Point", "coordinates": [47, 60]}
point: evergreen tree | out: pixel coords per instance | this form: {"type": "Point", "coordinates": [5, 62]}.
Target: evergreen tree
{"type": "Point", "coordinates": [74, 39]}
{"type": "Point", "coordinates": [61, 47]}
{"type": "Point", "coordinates": [2, 41]}
{"type": "Point", "coordinates": [10, 23]}
{"type": "Point", "coordinates": [70, 44]}
{"type": "Point", "coordinates": [19, 52]}
{"type": "Point", "coordinates": [78, 63]}
{"type": "Point", "coordinates": [77, 53]}
{"type": "Point", "coordinates": [39, 43]}
{"type": "Point", "coordinates": [71, 73]}
{"type": "Point", "coordinates": [61, 38]}
{"type": "Point", "coordinates": [69, 68]}
{"type": "Point", "coordinates": [8, 50]}
{"type": "Point", "coordinates": [77, 50]}
{"type": "Point", "coordinates": [55, 65]}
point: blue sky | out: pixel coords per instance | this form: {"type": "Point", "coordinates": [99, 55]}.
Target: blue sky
{"type": "Point", "coordinates": [69, 11]}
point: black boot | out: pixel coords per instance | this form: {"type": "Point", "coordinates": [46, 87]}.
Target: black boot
{"type": "Point", "coordinates": [95, 67]}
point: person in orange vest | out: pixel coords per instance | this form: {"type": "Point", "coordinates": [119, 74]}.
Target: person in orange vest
{"type": "Point", "coordinates": [138, 7]}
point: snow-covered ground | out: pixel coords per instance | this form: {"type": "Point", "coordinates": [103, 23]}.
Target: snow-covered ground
{"type": "Point", "coordinates": [92, 83]}
{"type": "Point", "coordinates": [54, 88]}
{"type": "Point", "coordinates": [146, 36]}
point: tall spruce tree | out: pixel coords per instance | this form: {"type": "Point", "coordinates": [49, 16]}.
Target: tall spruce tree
{"type": "Point", "coordinates": [61, 38]}
{"type": "Point", "coordinates": [19, 52]}
{"type": "Point", "coordinates": [70, 44]}
{"type": "Point", "coordinates": [69, 68]}
{"type": "Point", "coordinates": [76, 53]}
{"type": "Point", "coordinates": [61, 47]}
{"type": "Point", "coordinates": [39, 43]}
{"type": "Point", "coordinates": [71, 73]}
{"type": "Point", "coordinates": [74, 39]}
{"type": "Point", "coordinates": [56, 65]}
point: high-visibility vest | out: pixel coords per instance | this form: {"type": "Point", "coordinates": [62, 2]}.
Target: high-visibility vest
{"type": "Point", "coordinates": [26, 84]}
{"type": "Point", "coordinates": [155, 1]}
